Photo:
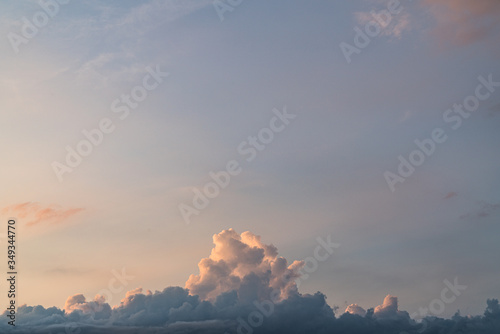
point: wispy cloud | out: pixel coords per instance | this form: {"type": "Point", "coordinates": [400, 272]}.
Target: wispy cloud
{"type": "Point", "coordinates": [494, 111]}
{"type": "Point", "coordinates": [69, 271]}
{"type": "Point", "coordinates": [485, 210]}
{"type": "Point", "coordinates": [451, 194]}
{"type": "Point", "coordinates": [35, 213]}
{"type": "Point", "coordinates": [463, 22]}
{"type": "Point", "coordinates": [406, 116]}
{"type": "Point", "coordinates": [393, 29]}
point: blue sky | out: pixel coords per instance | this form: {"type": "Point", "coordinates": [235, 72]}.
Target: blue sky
{"type": "Point", "coordinates": [322, 175]}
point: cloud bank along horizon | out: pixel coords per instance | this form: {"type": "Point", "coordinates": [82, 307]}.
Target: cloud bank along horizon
{"type": "Point", "coordinates": [242, 286]}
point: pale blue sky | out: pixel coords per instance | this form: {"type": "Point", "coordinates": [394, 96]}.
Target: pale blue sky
{"type": "Point", "coordinates": [323, 175]}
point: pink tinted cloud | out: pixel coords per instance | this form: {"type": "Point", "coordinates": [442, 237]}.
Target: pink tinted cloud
{"type": "Point", "coordinates": [35, 213]}
{"type": "Point", "coordinates": [451, 195]}
{"type": "Point", "coordinates": [393, 28]}
{"type": "Point", "coordinates": [355, 309]}
{"type": "Point", "coordinates": [236, 260]}
{"type": "Point", "coordinates": [463, 22]}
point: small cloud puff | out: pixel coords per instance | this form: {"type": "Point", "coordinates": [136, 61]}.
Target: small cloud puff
{"type": "Point", "coordinates": [355, 309]}
{"type": "Point", "coordinates": [451, 194]}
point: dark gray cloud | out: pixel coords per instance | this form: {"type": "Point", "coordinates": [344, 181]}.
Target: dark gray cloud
{"type": "Point", "coordinates": [485, 210]}
{"type": "Point", "coordinates": [174, 311]}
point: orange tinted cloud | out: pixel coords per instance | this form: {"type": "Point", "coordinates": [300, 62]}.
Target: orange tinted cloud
{"type": "Point", "coordinates": [236, 259]}
{"type": "Point", "coordinates": [451, 195]}
{"type": "Point", "coordinates": [35, 213]}
{"type": "Point", "coordinates": [463, 22]}
{"type": "Point", "coordinates": [394, 28]}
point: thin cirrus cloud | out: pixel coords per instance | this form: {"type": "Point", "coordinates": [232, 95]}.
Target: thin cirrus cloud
{"type": "Point", "coordinates": [254, 267]}
{"type": "Point", "coordinates": [485, 210]}
{"type": "Point", "coordinates": [451, 194]}
{"type": "Point", "coordinates": [36, 213]}
{"type": "Point", "coordinates": [463, 22]}
{"type": "Point", "coordinates": [392, 28]}
{"type": "Point", "coordinates": [458, 22]}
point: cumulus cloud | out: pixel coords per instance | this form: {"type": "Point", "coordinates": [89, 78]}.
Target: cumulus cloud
{"type": "Point", "coordinates": [244, 264]}
{"type": "Point", "coordinates": [355, 309]}
{"type": "Point", "coordinates": [97, 308]}
{"type": "Point", "coordinates": [35, 213]}
{"type": "Point", "coordinates": [389, 309]}
{"type": "Point", "coordinates": [462, 22]}
{"type": "Point", "coordinates": [252, 268]}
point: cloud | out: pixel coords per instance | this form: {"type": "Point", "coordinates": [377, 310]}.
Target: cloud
{"type": "Point", "coordinates": [36, 214]}
{"type": "Point", "coordinates": [246, 265]}
{"type": "Point", "coordinates": [494, 111]}
{"type": "Point", "coordinates": [406, 116]}
{"type": "Point", "coordinates": [393, 28]}
{"type": "Point", "coordinates": [63, 270]}
{"type": "Point", "coordinates": [485, 210]}
{"type": "Point", "coordinates": [97, 308]}
{"type": "Point", "coordinates": [251, 268]}
{"type": "Point", "coordinates": [451, 195]}
{"type": "Point", "coordinates": [389, 309]}
{"type": "Point", "coordinates": [160, 11]}
{"type": "Point", "coordinates": [355, 309]}
{"type": "Point", "coordinates": [463, 22]}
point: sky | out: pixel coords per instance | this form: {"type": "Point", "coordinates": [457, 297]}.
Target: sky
{"type": "Point", "coordinates": [136, 133]}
